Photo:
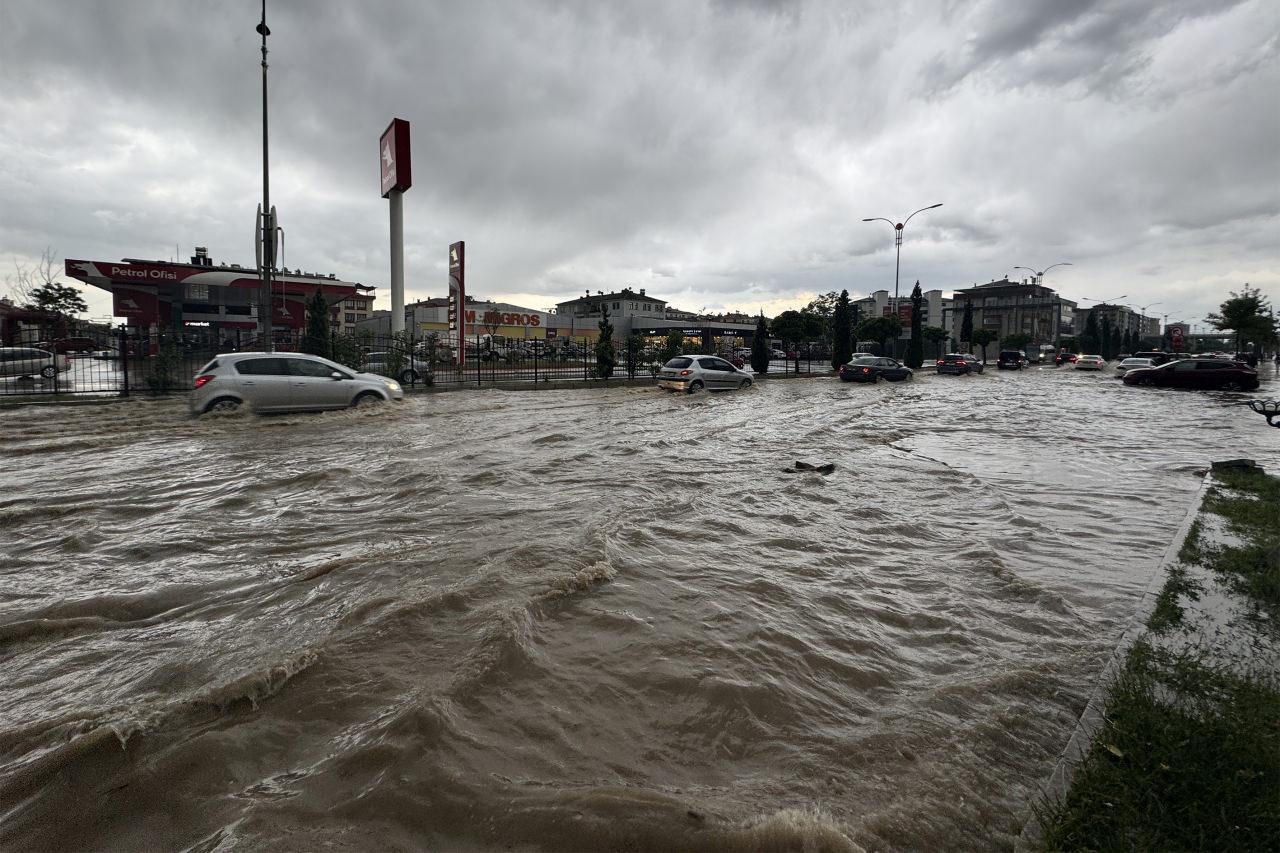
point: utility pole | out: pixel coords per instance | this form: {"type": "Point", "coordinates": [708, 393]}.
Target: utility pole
{"type": "Point", "coordinates": [266, 218]}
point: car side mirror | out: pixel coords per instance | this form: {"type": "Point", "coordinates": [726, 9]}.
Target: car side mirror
{"type": "Point", "coordinates": [335, 375]}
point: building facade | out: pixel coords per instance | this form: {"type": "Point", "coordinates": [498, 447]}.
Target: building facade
{"type": "Point", "coordinates": [206, 301]}
{"type": "Point", "coordinates": [1014, 307]}
{"type": "Point", "coordinates": [933, 311]}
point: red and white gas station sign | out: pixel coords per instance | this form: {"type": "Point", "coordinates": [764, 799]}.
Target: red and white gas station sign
{"type": "Point", "coordinates": [393, 156]}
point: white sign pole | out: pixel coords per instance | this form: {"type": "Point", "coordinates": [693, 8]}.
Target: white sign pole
{"type": "Point", "coordinates": [397, 261]}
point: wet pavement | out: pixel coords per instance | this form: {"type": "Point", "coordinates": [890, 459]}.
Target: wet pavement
{"type": "Point", "coordinates": [578, 619]}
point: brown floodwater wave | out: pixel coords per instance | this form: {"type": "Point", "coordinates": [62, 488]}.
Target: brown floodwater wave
{"type": "Point", "coordinates": [587, 619]}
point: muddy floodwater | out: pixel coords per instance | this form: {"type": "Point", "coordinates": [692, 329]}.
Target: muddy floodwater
{"type": "Point", "coordinates": [584, 619]}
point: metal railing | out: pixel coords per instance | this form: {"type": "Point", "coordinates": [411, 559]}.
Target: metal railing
{"type": "Point", "coordinates": [127, 361]}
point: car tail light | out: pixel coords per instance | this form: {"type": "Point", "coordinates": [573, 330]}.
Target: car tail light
{"type": "Point", "coordinates": [940, 361]}
{"type": "Point", "coordinates": [685, 372]}
{"type": "Point", "coordinates": [201, 380]}
{"type": "Point", "coordinates": [866, 370]}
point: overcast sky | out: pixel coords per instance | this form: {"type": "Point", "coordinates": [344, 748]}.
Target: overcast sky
{"type": "Point", "coordinates": [721, 155]}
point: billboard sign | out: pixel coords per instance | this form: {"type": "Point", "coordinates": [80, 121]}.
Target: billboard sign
{"type": "Point", "coordinates": [457, 297]}
{"type": "Point", "coordinates": [393, 158]}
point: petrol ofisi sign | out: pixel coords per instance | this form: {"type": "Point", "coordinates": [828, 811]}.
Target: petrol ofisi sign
{"type": "Point", "coordinates": [393, 158]}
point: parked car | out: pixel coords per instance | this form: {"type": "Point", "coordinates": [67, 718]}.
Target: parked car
{"type": "Point", "coordinates": [407, 370]}
{"type": "Point", "coordinates": [777, 355]}
{"type": "Point", "coordinates": [1011, 359]}
{"type": "Point", "coordinates": [280, 382]}
{"type": "Point", "coordinates": [73, 345]}
{"type": "Point", "coordinates": [1222, 374]}
{"type": "Point", "coordinates": [1090, 362]}
{"type": "Point", "coordinates": [871, 368]}
{"type": "Point", "coordinates": [1065, 358]}
{"type": "Point", "coordinates": [959, 363]}
{"type": "Point", "coordinates": [1132, 363]}
{"type": "Point", "coordinates": [693, 373]}
{"type": "Point", "coordinates": [32, 362]}
{"type": "Point", "coordinates": [1157, 357]}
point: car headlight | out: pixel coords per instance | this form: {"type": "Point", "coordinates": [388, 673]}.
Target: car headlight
{"type": "Point", "coordinates": [394, 386]}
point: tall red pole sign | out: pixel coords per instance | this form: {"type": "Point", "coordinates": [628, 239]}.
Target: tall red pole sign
{"type": "Point", "coordinates": [393, 155]}
{"type": "Point", "coordinates": [458, 298]}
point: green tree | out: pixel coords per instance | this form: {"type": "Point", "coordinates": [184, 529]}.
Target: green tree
{"type": "Point", "coordinates": [792, 327]}
{"type": "Point", "coordinates": [915, 349]}
{"type": "Point", "coordinates": [58, 299]}
{"type": "Point", "coordinates": [672, 347]}
{"type": "Point", "coordinates": [842, 331]}
{"type": "Point", "coordinates": [1107, 339]}
{"type": "Point", "coordinates": [1248, 314]}
{"type": "Point", "coordinates": [937, 335]}
{"type": "Point", "coordinates": [966, 325]}
{"type": "Point", "coordinates": [879, 329]}
{"type": "Point", "coordinates": [760, 347]}
{"type": "Point", "coordinates": [982, 337]}
{"type": "Point", "coordinates": [348, 350]}
{"type": "Point", "coordinates": [1089, 339]}
{"type": "Point", "coordinates": [162, 378]}
{"type": "Point", "coordinates": [1068, 343]}
{"type": "Point", "coordinates": [605, 356]}
{"type": "Point", "coordinates": [634, 345]}
{"type": "Point", "coordinates": [819, 313]}
{"type": "Point", "coordinates": [1018, 340]}
{"type": "Point", "coordinates": [316, 338]}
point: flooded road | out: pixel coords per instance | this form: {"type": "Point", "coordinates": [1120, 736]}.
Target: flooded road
{"type": "Point", "coordinates": [578, 619]}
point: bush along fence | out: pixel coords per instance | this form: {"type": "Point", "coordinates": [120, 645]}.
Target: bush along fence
{"type": "Point", "coordinates": [129, 362]}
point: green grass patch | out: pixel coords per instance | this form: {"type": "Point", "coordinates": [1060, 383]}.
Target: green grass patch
{"type": "Point", "coordinates": [1188, 759]}
{"type": "Point", "coordinates": [1168, 611]}
{"type": "Point", "coordinates": [1250, 503]}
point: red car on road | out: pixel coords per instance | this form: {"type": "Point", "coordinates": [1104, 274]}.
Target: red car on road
{"type": "Point", "coordinates": [1065, 358]}
{"type": "Point", "coordinates": [1221, 374]}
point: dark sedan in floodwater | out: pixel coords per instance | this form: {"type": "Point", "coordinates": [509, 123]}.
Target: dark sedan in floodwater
{"type": "Point", "coordinates": [959, 363]}
{"type": "Point", "coordinates": [1206, 373]}
{"type": "Point", "coordinates": [873, 368]}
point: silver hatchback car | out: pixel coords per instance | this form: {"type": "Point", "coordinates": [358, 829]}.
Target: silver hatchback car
{"type": "Point", "coordinates": [285, 382]}
{"type": "Point", "coordinates": [29, 361]}
{"type": "Point", "coordinates": [693, 373]}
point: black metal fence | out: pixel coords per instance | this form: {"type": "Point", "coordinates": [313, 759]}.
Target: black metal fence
{"type": "Point", "coordinates": [124, 361]}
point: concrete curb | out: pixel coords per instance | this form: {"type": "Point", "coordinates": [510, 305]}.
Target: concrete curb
{"type": "Point", "coordinates": [1091, 719]}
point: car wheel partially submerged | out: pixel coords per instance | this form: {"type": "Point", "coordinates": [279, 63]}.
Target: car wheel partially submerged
{"type": "Point", "coordinates": [1231, 386]}
{"type": "Point", "coordinates": [695, 387]}
{"type": "Point", "coordinates": [746, 383]}
{"type": "Point", "coordinates": [222, 406]}
{"type": "Point", "coordinates": [367, 399]}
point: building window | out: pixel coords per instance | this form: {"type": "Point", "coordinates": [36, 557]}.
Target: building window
{"type": "Point", "coordinates": [351, 318]}
{"type": "Point", "coordinates": [362, 316]}
{"type": "Point", "coordinates": [616, 305]}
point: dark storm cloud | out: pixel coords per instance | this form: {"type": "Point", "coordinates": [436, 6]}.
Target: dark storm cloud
{"type": "Point", "coordinates": [719, 154]}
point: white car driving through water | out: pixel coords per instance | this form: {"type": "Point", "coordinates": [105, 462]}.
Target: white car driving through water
{"type": "Point", "coordinates": [693, 373]}
{"type": "Point", "coordinates": [285, 382]}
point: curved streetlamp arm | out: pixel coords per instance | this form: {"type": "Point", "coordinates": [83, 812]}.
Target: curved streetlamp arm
{"type": "Point", "coordinates": [1062, 264]}
{"type": "Point", "coordinates": [921, 210]}
{"type": "Point", "coordinates": [880, 219]}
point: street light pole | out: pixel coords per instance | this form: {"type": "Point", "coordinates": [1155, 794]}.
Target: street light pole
{"type": "Point", "coordinates": [1038, 277]}
{"type": "Point", "coordinates": [265, 223]}
{"type": "Point", "coordinates": [897, 241]}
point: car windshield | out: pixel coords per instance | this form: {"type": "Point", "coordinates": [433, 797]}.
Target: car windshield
{"type": "Point", "coordinates": [679, 362]}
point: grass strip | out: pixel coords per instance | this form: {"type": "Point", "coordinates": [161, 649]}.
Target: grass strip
{"type": "Point", "coordinates": [1188, 758]}
{"type": "Point", "coordinates": [1249, 500]}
